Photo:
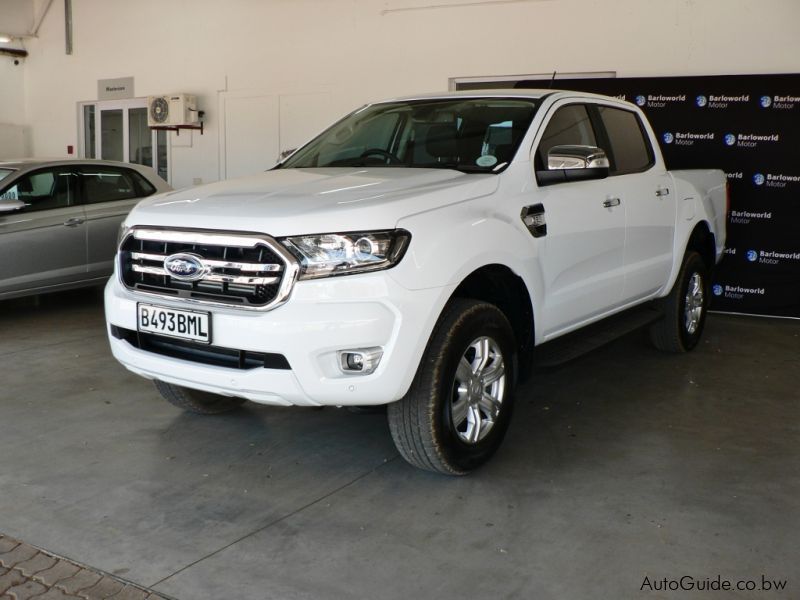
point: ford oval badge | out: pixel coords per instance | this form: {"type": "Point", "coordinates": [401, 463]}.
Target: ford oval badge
{"type": "Point", "coordinates": [184, 267]}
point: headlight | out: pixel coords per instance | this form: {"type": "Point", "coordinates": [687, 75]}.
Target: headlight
{"type": "Point", "coordinates": [328, 254]}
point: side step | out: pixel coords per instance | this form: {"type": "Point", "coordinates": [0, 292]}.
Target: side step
{"type": "Point", "coordinates": [591, 337]}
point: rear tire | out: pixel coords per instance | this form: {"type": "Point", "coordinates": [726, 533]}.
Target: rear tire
{"type": "Point", "coordinates": [684, 309]}
{"type": "Point", "coordinates": [195, 401]}
{"type": "Point", "coordinates": [457, 411]}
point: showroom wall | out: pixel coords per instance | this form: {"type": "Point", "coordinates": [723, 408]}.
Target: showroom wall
{"type": "Point", "coordinates": [247, 58]}
{"type": "Point", "coordinates": [14, 138]}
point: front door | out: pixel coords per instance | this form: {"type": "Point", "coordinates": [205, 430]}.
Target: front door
{"type": "Point", "coordinates": [44, 243]}
{"type": "Point", "coordinates": [582, 253]}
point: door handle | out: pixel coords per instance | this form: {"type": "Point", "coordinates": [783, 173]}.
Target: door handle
{"type": "Point", "coordinates": [74, 222]}
{"type": "Point", "coordinates": [662, 191]}
{"type": "Point", "coordinates": [609, 202]}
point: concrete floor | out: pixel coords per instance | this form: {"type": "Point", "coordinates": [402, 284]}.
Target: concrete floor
{"type": "Point", "coordinates": [623, 464]}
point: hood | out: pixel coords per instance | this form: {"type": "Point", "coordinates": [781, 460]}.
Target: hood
{"type": "Point", "coordinates": [300, 201]}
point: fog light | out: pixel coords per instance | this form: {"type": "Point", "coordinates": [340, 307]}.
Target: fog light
{"type": "Point", "coordinates": [360, 361]}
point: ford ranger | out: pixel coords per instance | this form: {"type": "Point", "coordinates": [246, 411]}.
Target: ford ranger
{"type": "Point", "coordinates": [414, 255]}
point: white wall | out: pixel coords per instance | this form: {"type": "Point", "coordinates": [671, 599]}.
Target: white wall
{"type": "Point", "coordinates": [12, 90]}
{"type": "Point", "coordinates": [14, 135]}
{"type": "Point", "coordinates": [356, 50]}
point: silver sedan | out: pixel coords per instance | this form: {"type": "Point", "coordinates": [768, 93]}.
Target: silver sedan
{"type": "Point", "coordinates": [59, 221]}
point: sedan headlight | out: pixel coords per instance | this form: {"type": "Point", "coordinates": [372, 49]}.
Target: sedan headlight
{"type": "Point", "coordinates": [328, 254]}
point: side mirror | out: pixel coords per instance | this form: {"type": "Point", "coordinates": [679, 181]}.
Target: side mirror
{"type": "Point", "coordinates": [574, 163]}
{"type": "Point", "coordinates": [10, 205]}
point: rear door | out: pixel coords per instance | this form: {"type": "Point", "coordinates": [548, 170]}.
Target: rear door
{"type": "Point", "coordinates": [645, 189]}
{"type": "Point", "coordinates": [44, 243]}
{"type": "Point", "coordinates": [108, 193]}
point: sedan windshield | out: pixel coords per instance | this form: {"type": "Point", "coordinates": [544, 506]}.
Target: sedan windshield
{"type": "Point", "coordinates": [5, 173]}
{"type": "Point", "coordinates": [469, 134]}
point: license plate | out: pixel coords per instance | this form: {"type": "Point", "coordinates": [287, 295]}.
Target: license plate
{"type": "Point", "coordinates": [184, 324]}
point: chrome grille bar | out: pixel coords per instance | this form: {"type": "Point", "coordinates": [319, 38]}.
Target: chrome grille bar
{"type": "Point", "coordinates": [237, 279]}
{"type": "Point", "coordinates": [217, 264]}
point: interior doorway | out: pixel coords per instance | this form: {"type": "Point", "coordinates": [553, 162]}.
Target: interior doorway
{"type": "Point", "coordinates": [118, 130]}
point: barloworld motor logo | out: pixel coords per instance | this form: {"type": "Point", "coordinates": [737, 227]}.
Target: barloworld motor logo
{"type": "Point", "coordinates": [701, 101]}
{"type": "Point", "coordinates": [736, 292]}
{"type": "Point", "coordinates": [752, 255]}
{"type": "Point", "coordinates": [765, 101]}
{"type": "Point", "coordinates": [640, 100]}
{"type": "Point", "coordinates": [668, 138]}
{"type": "Point", "coordinates": [750, 140]}
{"type": "Point", "coordinates": [776, 180]}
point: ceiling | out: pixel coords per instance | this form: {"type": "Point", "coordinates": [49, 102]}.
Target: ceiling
{"type": "Point", "coordinates": [18, 17]}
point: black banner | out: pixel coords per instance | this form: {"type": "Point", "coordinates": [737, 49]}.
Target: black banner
{"type": "Point", "coordinates": [748, 126]}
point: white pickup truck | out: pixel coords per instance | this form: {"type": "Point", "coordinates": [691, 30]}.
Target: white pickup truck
{"type": "Point", "coordinates": [414, 255]}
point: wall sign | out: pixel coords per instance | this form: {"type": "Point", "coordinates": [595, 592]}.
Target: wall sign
{"type": "Point", "coordinates": [748, 126]}
{"type": "Point", "coordinates": [115, 89]}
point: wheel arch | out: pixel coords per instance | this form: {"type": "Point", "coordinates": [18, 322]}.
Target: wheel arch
{"type": "Point", "coordinates": [497, 284]}
{"type": "Point", "coordinates": [702, 241]}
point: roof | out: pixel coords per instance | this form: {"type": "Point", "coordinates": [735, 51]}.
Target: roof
{"type": "Point", "coordinates": [495, 93]}
{"type": "Point", "coordinates": [535, 94]}
{"type": "Point", "coordinates": [33, 163]}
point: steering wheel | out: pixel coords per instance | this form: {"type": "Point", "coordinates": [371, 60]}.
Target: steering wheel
{"type": "Point", "coordinates": [391, 158]}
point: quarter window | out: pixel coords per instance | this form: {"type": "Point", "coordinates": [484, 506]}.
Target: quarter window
{"type": "Point", "coordinates": [630, 149]}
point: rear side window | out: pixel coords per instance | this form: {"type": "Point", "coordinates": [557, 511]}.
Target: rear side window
{"type": "Point", "coordinates": [570, 125]}
{"type": "Point", "coordinates": [630, 149]}
{"type": "Point", "coordinates": [109, 184]}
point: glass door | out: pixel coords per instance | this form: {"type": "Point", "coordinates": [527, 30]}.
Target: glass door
{"type": "Point", "coordinates": [111, 134]}
{"type": "Point", "coordinates": [117, 130]}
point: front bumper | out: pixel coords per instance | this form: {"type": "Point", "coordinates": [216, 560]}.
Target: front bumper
{"type": "Point", "coordinates": [321, 318]}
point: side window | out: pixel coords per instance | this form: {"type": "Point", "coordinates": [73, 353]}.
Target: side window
{"type": "Point", "coordinates": [43, 190]}
{"type": "Point", "coordinates": [630, 148]}
{"type": "Point", "coordinates": [107, 184]}
{"type": "Point", "coordinates": [570, 125]}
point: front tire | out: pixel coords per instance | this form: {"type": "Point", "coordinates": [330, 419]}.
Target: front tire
{"type": "Point", "coordinates": [195, 401]}
{"type": "Point", "coordinates": [457, 411]}
{"type": "Point", "coordinates": [684, 309]}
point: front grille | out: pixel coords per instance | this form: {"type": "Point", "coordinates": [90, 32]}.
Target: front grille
{"type": "Point", "coordinates": [201, 353]}
{"type": "Point", "coordinates": [246, 270]}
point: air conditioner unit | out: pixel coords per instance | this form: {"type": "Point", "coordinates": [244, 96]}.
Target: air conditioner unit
{"type": "Point", "coordinates": [172, 110]}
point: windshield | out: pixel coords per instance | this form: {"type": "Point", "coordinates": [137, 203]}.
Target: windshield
{"type": "Point", "coordinates": [5, 173]}
{"type": "Point", "coordinates": [469, 134]}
